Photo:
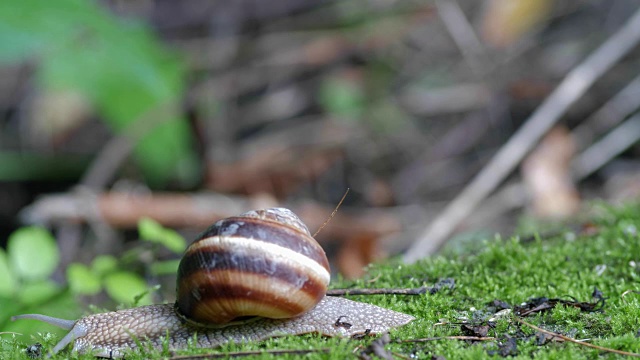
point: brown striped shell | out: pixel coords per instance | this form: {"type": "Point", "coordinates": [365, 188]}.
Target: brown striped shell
{"type": "Point", "coordinates": [260, 263]}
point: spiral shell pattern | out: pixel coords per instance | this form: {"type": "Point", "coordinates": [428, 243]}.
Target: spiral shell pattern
{"type": "Point", "coordinates": [260, 263]}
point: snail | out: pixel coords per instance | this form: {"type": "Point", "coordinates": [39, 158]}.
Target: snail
{"type": "Point", "coordinates": [246, 278]}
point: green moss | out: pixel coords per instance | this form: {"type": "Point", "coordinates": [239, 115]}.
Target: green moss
{"type": "Point", "coordinates": [569, 265]}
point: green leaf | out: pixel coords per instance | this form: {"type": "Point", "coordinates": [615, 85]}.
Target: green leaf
{"type": "Point", "coordinates": [150, 230]}
{"type": "Point", "coordinates": [9, 308]}
{"type": "Point", "coordinates": [341, 98]}
{"type": "Point", "coordinates": [104, 264]}
{"type": "Point", "coordinates": [37, 292]}
{"type": "Point", "coordinates": [168, 267]}
{"type": "Point", "coordinates": [82, 280]}
{"type": "Point", "coordinates": [7, 280]}
{"type": "Point", "coordinates": [33, 253]}
{"type": "Point", "coordinates": [119, 65]}
{"type": "Point", "coordinates": [124, 286]}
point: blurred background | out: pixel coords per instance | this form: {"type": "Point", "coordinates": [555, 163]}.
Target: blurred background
{"type": "Point", "coordinates": [128, 125]}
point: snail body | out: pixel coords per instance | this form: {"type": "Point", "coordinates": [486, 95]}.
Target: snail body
{"type": "Point", "coordinates": [262, 264]}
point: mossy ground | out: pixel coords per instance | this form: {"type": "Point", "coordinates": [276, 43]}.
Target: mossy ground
{"type": "Point", "coordinates": [569, 266]}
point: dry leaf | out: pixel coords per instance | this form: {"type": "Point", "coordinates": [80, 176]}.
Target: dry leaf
{"type": "Point", "coordinates": [53, 115]}
{"type": "Point", "coordinates": [506, 21]}
{"type": "Point", "coordinates": [357, 252]}
{"type": "Point", "coordinates": [547, 174]}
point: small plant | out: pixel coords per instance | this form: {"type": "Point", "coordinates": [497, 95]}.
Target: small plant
{"type": "Point", "coordinates": [115, 277]}
{"type": "Point", "coordinates": [25, 277]}
{"type": "Point", "coordinates": [32, 257]}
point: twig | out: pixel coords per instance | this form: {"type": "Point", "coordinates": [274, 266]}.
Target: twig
{"type": "Point", "coordinates": [515, 195]}
{"type": "Point", "coordinates": [401, 356]}
{"type": "Point", "coordinates": [599, 154]}
{"type": "Point", "coordinates": [460, 337]}
{"type": "Point", "coordinates": [623, 103]}
{"type": "Point", "coordinates": [371, 281]}
{"type": "Point", "coordinates": [454, 99]}
{"type": "Point", "coordinates": [571, 89]}
{"type": "Point", "coordinates": [249, 353]}
{"type": "Point", "coordinates": [463, 35]}
{"type": "Point", "coordinates": [333, 213]}
{"type": "Point", "coordinates": [629, 292]}
{"type": "Point", "coordinates": [566, 338]}
{"type": "Point", "coordinates": [381, 291]}
{"type": "Point", "coordinates": [199, 209]}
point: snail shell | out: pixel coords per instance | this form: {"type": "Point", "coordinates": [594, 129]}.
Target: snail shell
{"type": "Point", "coordinates": [111, 334]}
{"type": "Point", "coordinates": [260, 263]}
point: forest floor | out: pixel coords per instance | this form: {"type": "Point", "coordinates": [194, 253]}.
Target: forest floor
{"type": "Point", "coordinates": [573, 294]}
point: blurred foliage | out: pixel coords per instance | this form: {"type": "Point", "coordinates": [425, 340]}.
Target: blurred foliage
{"type": "Point", "coordinates": [28, 166]}
{"type": "Point", "coordinates": [150, 230]}
{"type": "Point", "coordinates": [82, 280]}
{"type": "Point", "coordinates": [118, 65]}
{"type": "Point", "coordinates": [340, 97]}
{"type": "Point", "coordinates": [33, 253]}
{"type": "Point", "coordinates": [25, 277]}
{"type": "Point", "coordinates": [122, 286]}
{"type": "Point", "coordinates": [32, 256]}
{"type": "Point", "coordinates": [106, 273]}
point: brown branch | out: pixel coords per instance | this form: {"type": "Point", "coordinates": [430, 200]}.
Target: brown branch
{"type": "Point", "coordinates": [200, 210]}
{"type": "Point", "coordinates": [381, 291]}
{"type": "Point", "coordinates": [472, 338]}
{"type": "Point", "coordinates": [566, 338]}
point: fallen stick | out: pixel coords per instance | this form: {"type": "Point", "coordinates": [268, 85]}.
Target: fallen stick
{"type": "Point", "coordinates": [574, 85]}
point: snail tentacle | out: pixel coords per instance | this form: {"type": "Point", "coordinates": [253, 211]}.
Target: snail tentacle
{"type": "Point", "coordinates": [76, 330]}
{"type": "Point", "coordinates": [61, 323]}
